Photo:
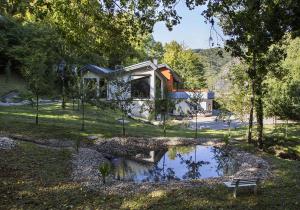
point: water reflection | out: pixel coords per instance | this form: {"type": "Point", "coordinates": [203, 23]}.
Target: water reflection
{"type": "Point", "coordinates": [177, 163]}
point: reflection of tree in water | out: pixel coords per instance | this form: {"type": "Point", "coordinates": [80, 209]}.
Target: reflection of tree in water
{"type": "Point", "coordinates": [123, 170]}
{"type": "Point", "coordinates": [173, 151]}
{"type": "Point", "coordinates": [161, 173]}
{"type": "Point", "coordinates": [192, 166]}
{"type": "Point", "coordinates": [225, 160]}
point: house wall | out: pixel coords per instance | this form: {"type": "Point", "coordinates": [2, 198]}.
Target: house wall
{"type": "Point", "coordinates": [170, 80]}
{"type": "Point", "coordinates": [140, 107]}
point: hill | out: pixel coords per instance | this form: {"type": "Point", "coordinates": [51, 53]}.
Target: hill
{"type": "Point", "coordinates": [214, 59]}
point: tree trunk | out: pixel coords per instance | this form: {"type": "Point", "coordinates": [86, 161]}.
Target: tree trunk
{"type": "Point", "coordinates": [63, 103]}
{"type": "Point", "coordinates": [229, 128]}
{"type": "Point", "coordinates": [259, 114]}
{"type": "Point", "coordinates": [250, 127]}
{"type": "Point", "coordinates": [73, 101]}
{"type": "Point", "coordinates": [37, 110]}
{"type": "Point", "coordinates": [164, 122]}
{"type": "Point", "coordinates": [286, 128]}
{"type": "Point", "coordinates": [123, 126]}
{"type": "Point", "coordinates": [82, 103]}
{"type": "Point", "coordinates": [196, 133]}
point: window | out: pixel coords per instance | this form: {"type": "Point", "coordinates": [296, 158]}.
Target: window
{"type": "Point", "coordinates": [140, 88]}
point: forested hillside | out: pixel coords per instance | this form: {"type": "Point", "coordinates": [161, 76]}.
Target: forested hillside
{"type": "Point", "coordinates": [214, 60]}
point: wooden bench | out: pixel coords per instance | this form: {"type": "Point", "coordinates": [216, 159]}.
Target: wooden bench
{"type": "Point", "coordinates": [236, 183]}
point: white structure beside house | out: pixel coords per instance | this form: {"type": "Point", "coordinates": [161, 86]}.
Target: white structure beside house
{"type": "Point", "coordinates": [144, 83]}
{"type": "Point", "coordinates": [185, 104]}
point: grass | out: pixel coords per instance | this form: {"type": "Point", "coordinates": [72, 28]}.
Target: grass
{"type": "Point", "coordinates": [39, 178]}
{"type": "Point", "coordinates": [66, 124]}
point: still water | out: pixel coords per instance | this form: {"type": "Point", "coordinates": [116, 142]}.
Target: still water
{"type": "Point", "coordinates": [176, 163]}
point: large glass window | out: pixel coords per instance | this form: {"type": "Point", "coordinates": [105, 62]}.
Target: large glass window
{"type": "Point", "coordinates": [140, 88]}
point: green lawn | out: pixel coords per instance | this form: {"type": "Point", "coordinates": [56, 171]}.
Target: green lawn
{"type": "Point", "coordinates": [39, 178]}
{"type": "Point", "coordinates": [58, 123]}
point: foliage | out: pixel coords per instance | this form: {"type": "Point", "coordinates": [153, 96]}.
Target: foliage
{"type": "Point", "coordinates": [226, 139]}
{"type": "Point", "coordinates": [81, 32]}
{"type": "Point", "coordinates": [252, 40]}
{"type": "Point", "coordinates": [214, 61]}
{"type": "Point", "coordinates": [282, 96]}
{"type": "Point", "coordinates": [104, 170]}
{"type": "Point", "coordinates": [186, 63]}
{"type": "Point", "coordinates": [237, 99]}
{"type": "Point", "coordinates": [146, 48]}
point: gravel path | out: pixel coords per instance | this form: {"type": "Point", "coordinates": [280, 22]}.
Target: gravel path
{"type": "Point", "coordinates": [85, 166]}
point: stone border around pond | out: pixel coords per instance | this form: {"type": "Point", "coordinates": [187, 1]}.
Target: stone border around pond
{"type": "Point", "coordinates": [87, 161]}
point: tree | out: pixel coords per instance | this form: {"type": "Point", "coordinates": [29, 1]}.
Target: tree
{"type": "Point", "coordinates": [37, 64]}
{"type": "Point", "coordinates": [36, 75]}
{"type": "Point", "coordinates": [237, 99]}
{"type": "Point", "coordinates": [73, 85]}
{"type": "Point", "coordinates": [120, 94]}
{"type": "Point", "coordinates": [164, 107]}
{"type": "Point", "coordinates": [249, 39]}
{"type": "Point", "coordinates": [145, 48]}
{"type": "Point", "coordinates": [86, 94]}
{"type": "Point", "coordinates": [196, 99]}
{"type": "Point", "coordinates": [282, 98]}
{"type": "Point", "coordinates": [186, 63]}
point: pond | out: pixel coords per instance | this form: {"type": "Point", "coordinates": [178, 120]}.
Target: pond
{"type": "Point", "coordinates": [176, 163]}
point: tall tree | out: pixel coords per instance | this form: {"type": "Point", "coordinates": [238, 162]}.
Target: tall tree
{"type": "Point", "coordinates": [251, 40]}
{"type": "Point", "coordinates": [120, 94]}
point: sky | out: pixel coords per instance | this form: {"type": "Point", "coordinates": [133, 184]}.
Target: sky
{"type": "Point", "coordinates": [192, 31]}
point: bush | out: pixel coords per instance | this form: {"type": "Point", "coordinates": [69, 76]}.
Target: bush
{"type": "Point", "coordinates": [104, 170]}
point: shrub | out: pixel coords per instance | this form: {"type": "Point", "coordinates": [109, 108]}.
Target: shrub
{"type": "Point", "coordinates": [104, 170]}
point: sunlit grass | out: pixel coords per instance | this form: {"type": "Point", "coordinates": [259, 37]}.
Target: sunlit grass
{"type": "Point", "coordinates": [67, 123]}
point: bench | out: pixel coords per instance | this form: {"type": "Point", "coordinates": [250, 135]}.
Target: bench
{"type": "Point", "coordinates": [236, 183]}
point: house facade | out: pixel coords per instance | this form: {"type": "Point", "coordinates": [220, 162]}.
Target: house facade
{"type": "Point", "coordinates": [146, 82]}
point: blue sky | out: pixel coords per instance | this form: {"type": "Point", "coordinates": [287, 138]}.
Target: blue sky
{"type": "Point", "coordinates": [192, 31]}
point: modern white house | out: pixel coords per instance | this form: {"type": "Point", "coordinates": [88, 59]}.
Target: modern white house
{"type": "Point", "coordinates": [146, 82]}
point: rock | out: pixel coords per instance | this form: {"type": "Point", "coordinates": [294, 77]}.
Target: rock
{"type": "Point", "coordinates": [121, 121]}
{"type": "Point", "coordinates": [91, 138]}
{"type": "Point", "coordinates": [7, 143]}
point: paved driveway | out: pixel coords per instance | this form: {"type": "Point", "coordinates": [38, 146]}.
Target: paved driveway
{"type": "Point", "coordinates": [210, 123]}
